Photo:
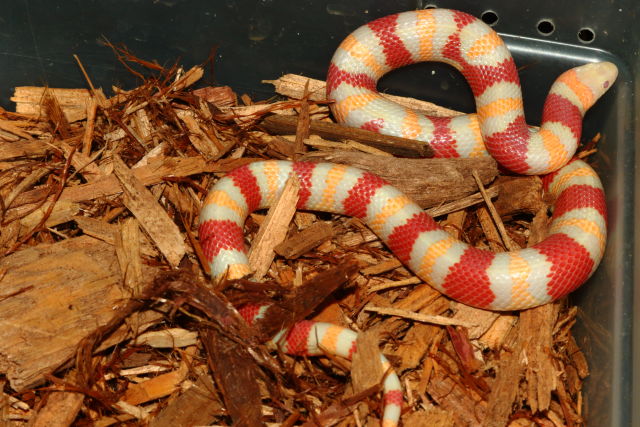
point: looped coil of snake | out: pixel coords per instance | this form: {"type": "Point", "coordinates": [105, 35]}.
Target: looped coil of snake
{"type": "Point", "coordinates": [512, 280]}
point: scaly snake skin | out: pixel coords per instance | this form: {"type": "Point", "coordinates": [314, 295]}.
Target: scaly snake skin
{"type": "Point", "coordinates": [498, 281]}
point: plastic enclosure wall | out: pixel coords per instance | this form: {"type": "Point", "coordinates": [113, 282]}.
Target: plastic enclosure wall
{"type": "Point", "coordinates": [263, 39]}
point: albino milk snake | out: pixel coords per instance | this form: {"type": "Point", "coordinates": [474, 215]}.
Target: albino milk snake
{"type": "Point", "coordinates": [497, 281]}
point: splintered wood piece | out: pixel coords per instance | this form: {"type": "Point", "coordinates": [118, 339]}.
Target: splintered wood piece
{"type": "Point", "coordinates": [153, 173]}
{"type": "Point", "coordinates": [87, 137]}
{"type": "Point", "coordinates": [466, 406]}
{"type": "Point", "coordinates": [540, 372]}
{"type": "Point", "coordinates": [210, 149]}
{"type": "Point", "coordinates": [403, 147]}
{"type": "Point", "coordinates": [198, 405]}
{"type": "Point", "coordinates": [465, 202]}
{"type": "Point", "coordinates": [419, 317]}
{"type": "Point", "coordinates": [73, 102]}
{"type": "Point", "coordinates": [63, 211]}
{"type": "Point", "coordinates": [152, 217]}
{"type": "Point", "coordinates": [107, 232]}
{"type": "Point", "coordinates": [12, 150]}
{"type": "Point", "coordinates": [188, 78]}
{"type": "Point", "coordinates": [82, 163]}
{"type": "Point", "coordinates": [530, 354]}
{"type": "Point", "coordinates": [381, 267]}
{"type": "Point", "coordinates": [429, 182]}
{"type": "Point", "coordinates": [53, 296]}
{"type": "Point", "coordinates": [292, 86]}
{"type": "Point", "coordinates": [8, 126]}
{"type": "Point", "coordinates": [305, 240]}
{"type": "Point", "coordinates": [274, 228]}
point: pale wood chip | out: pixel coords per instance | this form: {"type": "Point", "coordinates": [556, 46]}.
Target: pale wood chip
{"type": "Point", "coordinates": [39, 332]}
{"type": "Point", "coordinates": [147, 175]}
{"type": "Point", "coordinates": [160, 386]}
{"type": "Point", "coordinates": [62, 212]}
{"type": "Point", "coordinates": [168, 338]}
{"type": "Point", "coordinates": [292, 86]}
{"type": "Point", "coordinates": [419, 317]}
{"type": "Point", "coordinates": [73, 102]}
{"type": "Point", "coordinates": [128, 253]}
{"type": "Point", "coordinates": [152, 217]}
{"type": "Point", "coordinates": [274, 228]}
{"type": "Point", "coordinates": [12, 150]}
{"type": "Point", "coordinates": [305, 240]}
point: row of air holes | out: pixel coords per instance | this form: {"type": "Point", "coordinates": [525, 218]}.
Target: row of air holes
{"type": "Point", "coordinates": [545, 27]}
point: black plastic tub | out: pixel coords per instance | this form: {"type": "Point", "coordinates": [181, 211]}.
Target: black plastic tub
{"type": "Point", "coordinates": [262, 39]}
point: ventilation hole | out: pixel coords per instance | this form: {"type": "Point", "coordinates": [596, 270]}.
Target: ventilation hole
{"type": "Point", "coordinates": [489, 17]}
{"type": "Point", "coordinates": [546, 27]}
{"type": "Point", "coordinates": [586, 35]}
{"type": "Point", "coordinates": [431, 6]}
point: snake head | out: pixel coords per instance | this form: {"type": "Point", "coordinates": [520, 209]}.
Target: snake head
{"type": "Point", "coordinates": [598, 76]}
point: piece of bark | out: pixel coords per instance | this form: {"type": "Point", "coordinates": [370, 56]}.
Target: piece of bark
{"type": "Point", "coordinates": [519, 194]}
{"type": "Point", "coordinates": [530, 356]}
{"type": "Point", "coordinates": [197, 405]}
{"type": "Point", "coordinates": [274, 229]}
{"type": "Point", "coordinates": [537, 325]}
{"type": "Point", "coordinates": [404, 147]}
{"type": "Point", "coordinates": [292, 85]}
{"type": "Point", "coordinates": [236, 374]}
{"type": "Point", "coordinates": [466, 407]}
{"type": "Point", "coordinates": [53, 296]}
{"type": "Point", "coordinates": [429, 182]}
{"type": "Point", "coordinates": [305, 240]}
{"type": "Point", "coordinates": [61, 409]}
{"type": "Point", "coordinates": [483, 319]}
{"type": "Point", "coordinates": [432, 417]}
{"type": "Point", "coordinates": [152, 217]}
{"type": "Point", "coordinates": [153, 173]}
{"type": "Point", "coordinates": [366, 369]}
{"type": "Point", "coordinates": [304, 300]}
